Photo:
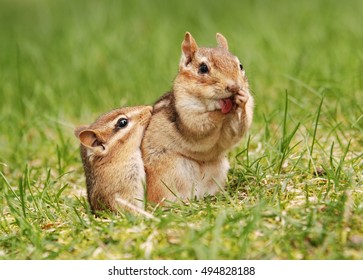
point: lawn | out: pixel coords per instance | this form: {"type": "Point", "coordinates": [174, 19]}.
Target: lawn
{"type": "Point", "coordinates": [295, 189]}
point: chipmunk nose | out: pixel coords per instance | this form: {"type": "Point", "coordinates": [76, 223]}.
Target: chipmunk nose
{"type": "Point", "coordinates": [150, 109]}
{"type": "Point", "coordinates": [234, 89]}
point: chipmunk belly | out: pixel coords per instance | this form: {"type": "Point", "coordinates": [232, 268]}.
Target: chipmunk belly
{"type": "Point", "coordinates": [213, 175]}
{"type": "Point", "coordinates": [198, 179]}
{"type": "Point", "coordinates": [182, 178]}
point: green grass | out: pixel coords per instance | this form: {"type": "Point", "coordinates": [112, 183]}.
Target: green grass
{"type": "Point", "coordinates": [295, 190]}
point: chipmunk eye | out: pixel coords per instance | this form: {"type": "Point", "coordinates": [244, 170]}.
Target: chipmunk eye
{"type": "Point", "coordinates": [203, 68]}
{"type": "Point", "coordinates": [122, 123]}
{"type": "Point", "coordinates": [241, 67]}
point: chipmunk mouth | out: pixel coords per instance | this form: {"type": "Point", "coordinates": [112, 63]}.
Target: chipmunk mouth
{"type": "Point", "coordinates": [226, 105]}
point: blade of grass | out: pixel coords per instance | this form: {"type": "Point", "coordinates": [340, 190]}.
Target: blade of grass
{"type": "Point", "coordinates": [315, 131]}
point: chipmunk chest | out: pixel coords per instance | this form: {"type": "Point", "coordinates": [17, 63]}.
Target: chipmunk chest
{"type": "Point", "coordinates": [120, 170]}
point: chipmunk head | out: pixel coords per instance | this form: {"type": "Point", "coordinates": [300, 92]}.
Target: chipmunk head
{"type": "Point", "coordinates": [211, 76]}
{"type": "Point", "coordinates": [119, 126]}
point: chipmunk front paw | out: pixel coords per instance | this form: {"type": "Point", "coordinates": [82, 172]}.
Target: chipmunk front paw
{"type": "Point", "coordinates": [241, 98]}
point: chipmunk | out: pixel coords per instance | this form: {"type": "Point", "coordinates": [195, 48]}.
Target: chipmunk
{"type": "Point", "coordinates": [192, 127]}
{"type": "Point", "coordinates": [111, 156]}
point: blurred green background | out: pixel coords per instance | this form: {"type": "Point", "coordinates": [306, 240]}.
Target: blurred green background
{"type": "Point", "coordinates": [65, 62]}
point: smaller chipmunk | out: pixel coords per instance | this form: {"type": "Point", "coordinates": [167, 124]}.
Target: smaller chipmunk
{"type": "Point", "coordinates": [111, 156]}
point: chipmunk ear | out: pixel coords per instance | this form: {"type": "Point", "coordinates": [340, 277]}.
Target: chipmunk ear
{"type": "Point", "coordinates": [79, 129]}
{"type": "Point", "coordinates": [222, 41]}
{"type": "Point", "coordinates": [90, 139]}
{"type": "Point", "coordinates": [189, 47]}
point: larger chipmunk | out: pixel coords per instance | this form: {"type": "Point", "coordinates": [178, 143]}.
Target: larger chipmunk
{"type": "Point", "coordinates": [192, 128]}
{"type": "Point", "coordinates": [111, 155]}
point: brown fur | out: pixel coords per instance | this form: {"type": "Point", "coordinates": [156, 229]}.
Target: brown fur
{"type": "Point", "coordinates": [185, 145]}
{"type": "Point", "coordinates": [112, 160]}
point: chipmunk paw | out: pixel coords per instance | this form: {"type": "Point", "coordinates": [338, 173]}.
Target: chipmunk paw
{"type": "Point", "coordinates": [241, 98]}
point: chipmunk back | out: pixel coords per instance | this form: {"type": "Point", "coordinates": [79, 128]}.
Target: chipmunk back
{"type": "Point", "coordinates": [111, 156]}
{"type": "Point", "coordinates": [192, 128]}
